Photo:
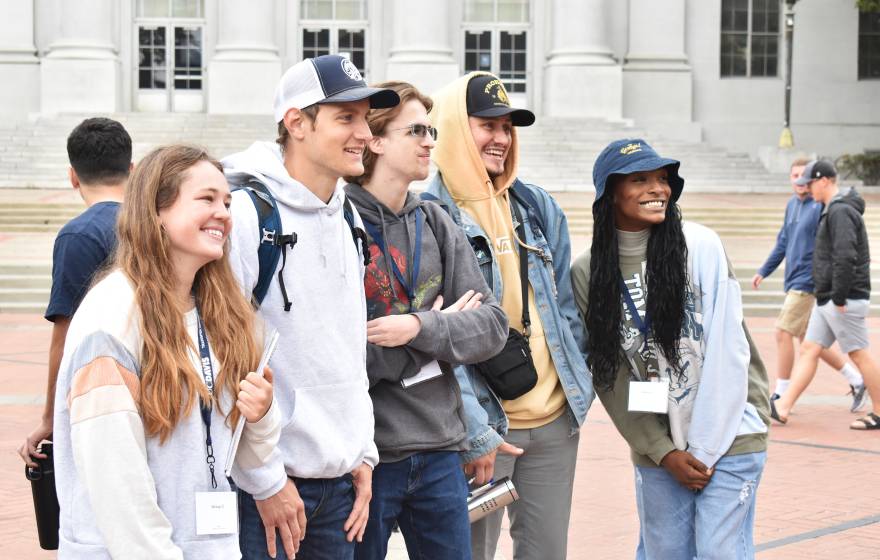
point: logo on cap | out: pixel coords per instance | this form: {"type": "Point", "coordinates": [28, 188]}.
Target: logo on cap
{"type": "Point", "coordinates": [631, 148]}
{"type": "Point", "coordinates": [496, 90]}
{"type": "Point", "coordinates": [350, 70]}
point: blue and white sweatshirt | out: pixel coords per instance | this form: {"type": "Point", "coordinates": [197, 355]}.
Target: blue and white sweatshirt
{"type": "Point", "coordinates": [795, 243]}
{"type": "Point", "coordinates": [721, 394]}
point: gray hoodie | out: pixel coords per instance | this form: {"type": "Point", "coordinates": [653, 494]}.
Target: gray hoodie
{"type": "Point", "coordinates": [427, 416]}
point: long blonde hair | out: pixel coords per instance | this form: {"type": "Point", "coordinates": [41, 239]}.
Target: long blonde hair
{"type": "Point", "coordinates": [170, 384]}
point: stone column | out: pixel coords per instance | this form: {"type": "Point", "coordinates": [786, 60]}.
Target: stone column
{"type": "Point", "coordinates": [657, 80]}
{"type": "Point", "coordinates": [421, 52]}
{"type": "Point", "coordinates": [81, 72]}
{"type": "Point", "coordinates": [246, 67]}
{"type": "Point", "coordinates": [19, 65]}
{"type": "Point", "coordinates": [581, 79]}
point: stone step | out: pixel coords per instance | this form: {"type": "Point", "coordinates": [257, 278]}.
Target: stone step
{"type": "Point", "coordinates": [19, 295]}
{"type": "Point", "coordinates": [29, 307]}
{"type": "Point", "coordinates": [29, 281]}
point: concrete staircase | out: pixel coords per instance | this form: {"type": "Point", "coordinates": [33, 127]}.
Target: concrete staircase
{"type": "Point", "coordinates": [748, 237]}
{"type": "Point", "coordinates": [556, 153]}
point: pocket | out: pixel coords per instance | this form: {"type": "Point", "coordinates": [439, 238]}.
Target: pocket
{"type": "Point", "coordinates": [858, 307]}
{"type": "Point", "coordinates": [330, 429]}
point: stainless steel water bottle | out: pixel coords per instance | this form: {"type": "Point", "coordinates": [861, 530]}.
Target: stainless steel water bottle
{"type": "Point", "coordinates": [45, 499]}
{"type": "Point", "coordinates": [486, 499]}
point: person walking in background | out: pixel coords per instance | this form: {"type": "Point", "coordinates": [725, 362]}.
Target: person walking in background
{"type": "Point", "coordinates": [419, 259]}
{"type": "Point", "coordinates": [672, 361]}
{"type": "Point", "coordinates": [155, 377]}
{"type": "Point", "coordinates": [99, 151]}
{"type": "Point", "coordinates": [794, 244]}
{"type": "Point", "coordinates": [520, 237]}
{"type": "Point", "coordinates": [842, 275]}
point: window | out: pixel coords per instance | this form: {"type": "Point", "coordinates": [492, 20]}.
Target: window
{"type": "Point", "coordinates": [511, 11]}
{"type": "Point", "coordinates": [335, 27]}
{"type": "Point", "coordinates": [869, 46]}
{"type": "Point", "coordinates": [171, 8]}
{"type": "Point", "coordinates": [151, 67]}
{"type": "Point", "coordinates": [495, 40]}
{"type": "Point", "coordinates": [750, 36]}
{"type": "Point", "coordinates": [187, 58]}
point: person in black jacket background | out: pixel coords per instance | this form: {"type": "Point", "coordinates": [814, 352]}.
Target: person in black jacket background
{"type": "Point", "coordinates": [841, 273]}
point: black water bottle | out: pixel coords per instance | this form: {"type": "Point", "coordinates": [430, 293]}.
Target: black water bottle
{"type": "Point", "coordinates": [45, 499]}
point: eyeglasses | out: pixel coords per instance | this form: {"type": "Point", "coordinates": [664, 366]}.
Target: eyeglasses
{"type": "Point", "coordinates": [419, 130]}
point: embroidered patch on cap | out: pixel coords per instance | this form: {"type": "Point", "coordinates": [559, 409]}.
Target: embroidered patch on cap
{"type": "Point", "coordinates": [351, 70]}
{"type": "Point", "coordinates": [631, 149]}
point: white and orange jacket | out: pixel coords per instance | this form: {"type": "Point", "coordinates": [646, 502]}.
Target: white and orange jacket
{"type": "Point", "coordinates": [122, 493]}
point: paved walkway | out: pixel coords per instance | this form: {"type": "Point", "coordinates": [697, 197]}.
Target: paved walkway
{"type": "Point", "coordinates": [818, 498]}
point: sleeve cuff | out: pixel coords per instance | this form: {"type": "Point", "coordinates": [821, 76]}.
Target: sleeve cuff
{"type": "Point", "coordinates": [480, 445]}
{"type": "Point", "coordinates": [426, 340]}
{"type": "Point", "coordinates": [263, 428]}
{"type": "Point", "coordinates": [274, 489]}
{"type": "Point", "coordinates": [708, 459]}
{"type": "Point", "coordinates": [662, 449]}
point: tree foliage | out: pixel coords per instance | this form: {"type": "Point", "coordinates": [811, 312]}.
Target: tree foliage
{"type": "Point", "coordinates": [868, 5]}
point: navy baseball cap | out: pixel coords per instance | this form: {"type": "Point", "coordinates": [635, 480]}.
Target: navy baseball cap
{"type": "Point", "coordinates": [816, 170]}
{"type": "Point", "coordinates": [326, 79]}
{"type": "Point", "coordinates": [632, 155]}
{"type": "Point", "coordinates": [487, 98]}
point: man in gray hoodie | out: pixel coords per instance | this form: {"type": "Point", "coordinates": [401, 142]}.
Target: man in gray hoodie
{"type": "Point", "coordinates": [419, 260]}
{"type": "Point", "coordinates": [317, 304]}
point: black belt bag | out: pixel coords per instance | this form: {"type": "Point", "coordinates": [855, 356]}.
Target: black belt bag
{"type": "Point", "coordinates": [511, 373]}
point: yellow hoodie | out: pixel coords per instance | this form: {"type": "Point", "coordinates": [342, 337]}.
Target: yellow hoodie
{"type": "Point", "coordinates": [486, 200]}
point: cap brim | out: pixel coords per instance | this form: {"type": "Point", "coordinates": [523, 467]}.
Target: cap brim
{"type": "Point", "coordinates": [803, 180]}
{"type": "Point", "coordinates": [379, 98]}
{"type": "Point", "coordinates": [519, 117]}
{"type": "Point", "coordinates": [676, 181]}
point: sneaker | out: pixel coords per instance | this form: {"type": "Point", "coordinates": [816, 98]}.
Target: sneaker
{"type": "Point", "coordinates": [858, 395]}
{"type": "Point", "coordinates": [775, 397]}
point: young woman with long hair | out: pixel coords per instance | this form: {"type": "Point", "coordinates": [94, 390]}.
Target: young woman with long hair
{"type": "Point", "coordinates": [672, 360]}
{"type": "Point", "coordinates": [155, 377]}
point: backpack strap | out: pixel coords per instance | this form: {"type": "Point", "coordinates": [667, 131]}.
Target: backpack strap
{"type": "Point", "coordinates": [273, 243]}
{"type": "Point", "coordinates": [524, 196]}
{"type": "Point", "coordinates": [358, 235]}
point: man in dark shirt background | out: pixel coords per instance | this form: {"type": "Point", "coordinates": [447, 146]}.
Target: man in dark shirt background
{"type": "Point", "coordinates": [99, 151]}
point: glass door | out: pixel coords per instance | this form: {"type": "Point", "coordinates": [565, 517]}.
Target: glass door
{"type": "Point", "coordinates": [170, 76]}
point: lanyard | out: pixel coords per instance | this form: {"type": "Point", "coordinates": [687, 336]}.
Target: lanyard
{"type": "Point", "coordinates": [205, 409]}
{"type": "Point", "coordinates": [409, 287]}
{"type": "Point", "coordinates": [643, 326]}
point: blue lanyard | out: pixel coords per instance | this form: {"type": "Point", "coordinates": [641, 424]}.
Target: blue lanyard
{"type": "Point", "coordinates": [208, 375]}
{"type": "Point", "coordinates": [643, 326]}
{"type": "Point", "coordinates": [409, 287]}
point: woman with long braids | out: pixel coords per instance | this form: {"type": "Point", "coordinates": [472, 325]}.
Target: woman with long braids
{"type": "Point", "coordinates": [671, 360]}
{"type": "Point", "coordinates": [155, 377]}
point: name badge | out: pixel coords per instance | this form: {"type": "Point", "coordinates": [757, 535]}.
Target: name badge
{"type": "Point", "coordinates": [428, 372]}
{"type": "Point", "coordinates": [649, 396]}
{"type": "Point", "coordinates": [216, 513]}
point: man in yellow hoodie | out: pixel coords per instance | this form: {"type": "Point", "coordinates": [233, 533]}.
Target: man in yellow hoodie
{"type": "Point", "coordinates": [504, 218]}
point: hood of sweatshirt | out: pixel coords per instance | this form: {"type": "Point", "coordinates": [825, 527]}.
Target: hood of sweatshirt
{"type": "Point", "coordinates": [850, 197]}
{"type": "Point", "coordinates": [483, 198]}
{"type": "Point", "coordinates": [264, 162]}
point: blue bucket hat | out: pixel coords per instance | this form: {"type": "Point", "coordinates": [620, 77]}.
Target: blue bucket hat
{"type": "Point", "coordinates": [632, 155]}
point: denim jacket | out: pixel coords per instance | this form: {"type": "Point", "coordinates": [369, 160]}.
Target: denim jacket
{"type": "Point", "coordinates": [564, 331]}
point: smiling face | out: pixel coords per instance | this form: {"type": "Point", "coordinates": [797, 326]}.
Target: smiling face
{"type": "Point", "coordinates": [641, 198]}
{"type": "Point", "coordinates": [334, 146]}
{"type": "Point", "coordinates": [493, 138]}
{"type": "Point", "coordinates": [407, 156]}
{"type": "Point", "coordinates": [197, 224]}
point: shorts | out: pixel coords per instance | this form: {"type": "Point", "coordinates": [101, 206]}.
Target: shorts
{"type": "Point", "coordinates": [849, 329]}
{"type": "Point", "coordinates": [795, 313]}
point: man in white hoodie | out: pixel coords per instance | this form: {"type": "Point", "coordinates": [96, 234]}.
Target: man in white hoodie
{"type": "Point", "coordinates": [316, 301]}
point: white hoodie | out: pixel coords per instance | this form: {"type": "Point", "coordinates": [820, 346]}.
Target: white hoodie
{"type": "Point", "coordinates": [320, 362]}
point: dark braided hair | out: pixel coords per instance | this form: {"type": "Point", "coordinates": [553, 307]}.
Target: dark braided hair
{"type": "Point", "coordinates": [666, 278]}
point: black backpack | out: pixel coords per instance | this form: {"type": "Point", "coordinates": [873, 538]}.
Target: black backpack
{"type": "Point", "coordinates": [274, 243]}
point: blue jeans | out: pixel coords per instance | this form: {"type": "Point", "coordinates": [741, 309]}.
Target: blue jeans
{"type": "Point", "coordinates": [715, 523]}
{"type": "Point", "coordinates": [427, 495]}
{"type": "Point", "coordinates": [328, 503]}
